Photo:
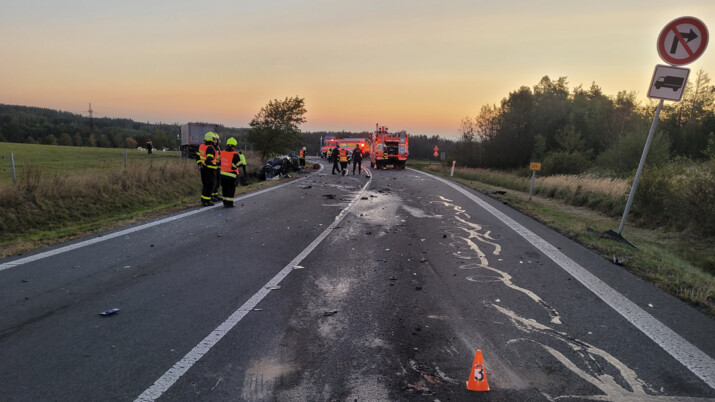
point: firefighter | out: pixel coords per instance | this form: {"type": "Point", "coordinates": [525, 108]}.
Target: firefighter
{"type": "Point", "coordinates": [357, 158]}
{"type": "Point", "coordinates": [301, 157]}
{"type": "Point", "coordinates": [335, 156]}
{"type": "Point", "coordinates": [217, 144]}
{"type": "Point", "coordinates": [343, 153]}
{"type": "Point", "coordinates": [149, 146]}
{"type": "Point", "coordinates": [208, 166]}
{"type": "Point", "coordinates": [229, 172]}
{"type": "Point", "coordinates": [242, 164]}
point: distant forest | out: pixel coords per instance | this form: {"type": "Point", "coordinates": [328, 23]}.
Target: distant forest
{"type": "Point", "coordinates": [572, 131]}
{"type": "Point", "coordinates": [35, 125]}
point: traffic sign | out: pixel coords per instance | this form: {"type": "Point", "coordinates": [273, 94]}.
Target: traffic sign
{"type": "Point", "coordinates": [435, 153]}
{"type": "Point", "coordinates": [535, 166]}
{"type": "Point", "coordinates": [436, 148]}
{"type": "Point", "coordinates": [682, 41]}
{"type": "Point", "coordinates": [668, 82]}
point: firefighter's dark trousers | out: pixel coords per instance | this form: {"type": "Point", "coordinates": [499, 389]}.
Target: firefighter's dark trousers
{"type": "Point", "coordinates": [344, 167]}
{"type": "Point", "coordinates": [208, 182]}
{"type": "Point", "coordinates": [336, 165]}
{"type": "Point", "coordinates": [228, 188]}
{"type": "Point", "coordinates": [214, 192]}
{"type": "Point", "coordinates": [358, 163]}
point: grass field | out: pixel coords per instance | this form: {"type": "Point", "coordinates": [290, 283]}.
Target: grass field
{"type": "Point", "coordinates": [66, 159]}
{"type": "Point", "coordinates": [66, 192]}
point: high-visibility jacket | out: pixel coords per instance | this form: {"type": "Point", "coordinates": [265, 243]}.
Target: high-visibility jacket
{"type": "Point", "coordinates": [242, 160]}
{"type": "Point", "coordinates": [301, 154]}
{"type": "Point", "coordinates": [343, 155]}
{"type": "Point", "coordinates": [207, 156]}
{"type": "Point", "coordinates": [229, 165]}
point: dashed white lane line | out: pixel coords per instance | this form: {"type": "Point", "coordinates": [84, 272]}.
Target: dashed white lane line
{"type": "Point", "coordinates": [109, 236]}
{"type": "Point", "coordinates": [683, 351]}
{"type": "Point", "coordinates": [182, 366]}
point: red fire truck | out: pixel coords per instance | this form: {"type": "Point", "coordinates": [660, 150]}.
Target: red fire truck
{"type": "Point", "coordinates": [388, 148]}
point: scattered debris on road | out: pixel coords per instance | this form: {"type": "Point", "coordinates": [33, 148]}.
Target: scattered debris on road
{"type": "Point", "coordinates": [109, 312]}
{"type": "Point", "coordinates": [329, 313]}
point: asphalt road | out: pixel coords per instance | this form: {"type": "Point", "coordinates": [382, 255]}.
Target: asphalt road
{"type": "Point", "coordinates": [377, 287]}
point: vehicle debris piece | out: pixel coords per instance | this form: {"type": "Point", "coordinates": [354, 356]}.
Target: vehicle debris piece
{"type": "Point", "coordinates": [298, 267]}
{"type": "Point", "coordinates": [329, 196]}
{"type": "Point", "coordinates": [329, 313]}
{"type": "Point", "coordinates": [109, 312]}
{"type": "Point", "coordinates": [423, 259]}
{"type": "Point", "coordinates": [306, 187]}
{"type": "Point", "coordinates": [257, 309]}
{"type": "Point", "coordinates": [617, 260]}
{"type": "Point", "coordinates": [273, 287]}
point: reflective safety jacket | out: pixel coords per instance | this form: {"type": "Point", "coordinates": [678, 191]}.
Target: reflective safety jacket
{"type": "Point", "coordinates": [207, 156]}
{"type": "Point", "coordinates": [343, 155]}
{"type": "Point", "coordinates": [242, 160]}
{"type": "Point", "coordinates": [229, 163]}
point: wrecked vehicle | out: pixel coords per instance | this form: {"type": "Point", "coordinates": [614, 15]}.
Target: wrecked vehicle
{"type": "Point", "coordinates": [279, 167]}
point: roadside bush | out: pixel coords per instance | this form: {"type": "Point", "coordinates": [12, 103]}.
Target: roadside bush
{"type": "Point", "coordinates": [623, 157]}
{"type": "Point", "coordinates": [565, 163]}
{"type": "Point", "coordinates": [679, 195]}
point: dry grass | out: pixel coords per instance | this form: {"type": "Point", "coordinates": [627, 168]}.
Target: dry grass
{"type": "Point", "coordinates": [608, 187]}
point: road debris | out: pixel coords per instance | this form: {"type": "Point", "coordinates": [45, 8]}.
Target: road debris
{"type": "Point", "coordinates": [273, 287]}
{"type": "Point", "coordinates": [329, 313]}
{"type": "Point", "coordinates": [109, 312]}
{"type": "Point", "coordinates": [298, 267]}
{"type": "Point", "coordinates": [329, 196]}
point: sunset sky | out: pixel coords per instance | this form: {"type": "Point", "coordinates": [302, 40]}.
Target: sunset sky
{"type": "Point", "coordinates": [416, 65]}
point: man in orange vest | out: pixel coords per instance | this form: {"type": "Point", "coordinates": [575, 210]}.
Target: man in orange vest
{"type": "Point", "coordinates": [343, 161]}
{"type": "Point", "coordinates": [229, 172]}
{"type": "Point", "coordinates": [301, 157]}
{"type": "Point", "coordinates": [208, 166]}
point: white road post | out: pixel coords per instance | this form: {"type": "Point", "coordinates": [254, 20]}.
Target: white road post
{"type": "Point", "coordinates": [12, 163]}
{"type": "Point", "coordinates": [531, 189]}
{"type": "Point", "coordinates": [452, 172]}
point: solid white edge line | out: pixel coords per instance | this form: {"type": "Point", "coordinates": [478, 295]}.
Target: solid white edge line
{"type": "Point", "coordinates": [85, 243]}
{"type": "Point", "coordinates": [182, 366]}
{"type": "Point", "coordinates": [697, 361]}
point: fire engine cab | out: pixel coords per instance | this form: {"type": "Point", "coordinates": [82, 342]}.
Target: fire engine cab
{"type": "Point", "coordinates": [388, 149]}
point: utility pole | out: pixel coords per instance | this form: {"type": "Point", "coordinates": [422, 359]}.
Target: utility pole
{"type": "Point", "coordinates": [91, 119]}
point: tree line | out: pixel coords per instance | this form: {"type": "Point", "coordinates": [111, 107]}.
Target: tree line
{"type": "Point", "coordinates": [574, 130]}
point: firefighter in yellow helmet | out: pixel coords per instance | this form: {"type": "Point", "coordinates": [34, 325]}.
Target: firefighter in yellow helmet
{"type": "Point", "coordinates": [217, 144]}
{"type": "Point", "coordinates": [207, 164]}
{"type": "Point", "coordinates": [229, 172]}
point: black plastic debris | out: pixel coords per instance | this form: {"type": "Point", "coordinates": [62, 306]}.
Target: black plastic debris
{"type": "Point", "coordinates": [329, 313]}
{"type": "Point", "coordinates": [329, 196]}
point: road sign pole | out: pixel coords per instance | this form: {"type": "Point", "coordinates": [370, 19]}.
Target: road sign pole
{"type": "Point", "coordinates": [640, 166]}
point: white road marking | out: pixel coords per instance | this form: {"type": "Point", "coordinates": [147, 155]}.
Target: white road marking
{"type": "Point", "coordinates": [683, 351]}
{"type": "Point", "coordinates": [182, 366]}
{"type": "Point", "coordinates": [105, 237]}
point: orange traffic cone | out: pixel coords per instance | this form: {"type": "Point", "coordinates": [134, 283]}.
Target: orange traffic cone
{"type": "Point", "coordinates": [478, 377]}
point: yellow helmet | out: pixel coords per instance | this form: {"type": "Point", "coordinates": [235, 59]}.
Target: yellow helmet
{"type": "Point", "coordinates": [217, 137]}
{"type": "Point", "coordinates": [231, 141]}
{"type": "Point", "coordinates": [209, 136]}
